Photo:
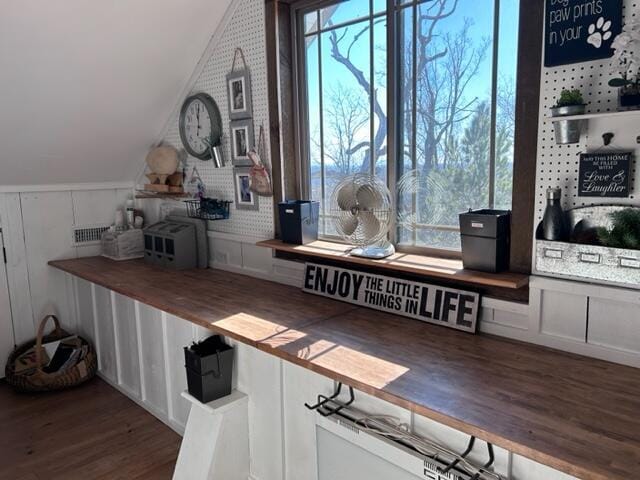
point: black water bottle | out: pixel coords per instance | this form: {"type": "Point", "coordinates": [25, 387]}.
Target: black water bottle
{"type": "Point", "coordinates": [554, 226]}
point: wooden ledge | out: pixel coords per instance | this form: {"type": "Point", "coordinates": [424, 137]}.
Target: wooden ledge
{"type": "Point", "coordinates": [403, 262]}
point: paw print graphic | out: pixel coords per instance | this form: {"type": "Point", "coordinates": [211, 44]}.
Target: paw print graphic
{"type": "Point", "coordinates": [599, 32]}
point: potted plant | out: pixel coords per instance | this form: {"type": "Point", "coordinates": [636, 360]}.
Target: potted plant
{"type": "Point", "coordinates": [626, 61]}
{"type": "Point", "coordinates": [569, 103]}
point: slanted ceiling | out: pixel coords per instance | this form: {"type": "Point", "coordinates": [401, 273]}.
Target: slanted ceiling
{"type": "Point", "coordinates": [86, 87]}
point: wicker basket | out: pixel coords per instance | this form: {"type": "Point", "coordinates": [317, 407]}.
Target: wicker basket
{"type": "Point", "coordinates": [41, 381]}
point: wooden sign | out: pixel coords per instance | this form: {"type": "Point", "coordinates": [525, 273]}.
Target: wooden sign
{"type": "Point", "coordinates": [604, 174]}
{"type": "Point", "coordinates": [580, 30]}
{"type": "Point", "coordinates": [430, 303]}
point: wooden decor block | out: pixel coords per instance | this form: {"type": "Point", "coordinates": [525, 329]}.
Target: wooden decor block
{"type": "Point", "coordinates": [156, 187]}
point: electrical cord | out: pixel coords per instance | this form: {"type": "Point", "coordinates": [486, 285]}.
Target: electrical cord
{"type": "Point", "coordinates": [390, 427]}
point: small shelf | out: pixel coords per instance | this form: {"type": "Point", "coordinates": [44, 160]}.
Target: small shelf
{"type": "Point", "coordinates": [165, 195]}
{"type": "Point", "coordinates": [596, 115]}
{"type": "Point", "coordinates": [403, 262]}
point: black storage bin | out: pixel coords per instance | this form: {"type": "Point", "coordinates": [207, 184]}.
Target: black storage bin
{"type": "Point", "coordinates": [299, 221]}
{"type": "Point", "coordinates": [209, 365]}
{"type": "Point", "coordinates": [485, 236]}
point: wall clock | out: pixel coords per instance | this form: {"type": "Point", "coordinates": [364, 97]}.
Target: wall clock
{"type": "Point", "coordinates": [200, 125]}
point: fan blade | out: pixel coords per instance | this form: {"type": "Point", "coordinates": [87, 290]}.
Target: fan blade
{"type": "Point", "coordinates": [370, 224]}
{"type": "Point", "coordinates": [347, 223]}
{"type": "Point", "coordinates": [346, 197]}
{"type": "Point", "coordinates": [369, 198]}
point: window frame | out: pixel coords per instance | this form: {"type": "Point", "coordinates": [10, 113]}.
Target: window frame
{"type": "Point", "coordinates": [530, 32]}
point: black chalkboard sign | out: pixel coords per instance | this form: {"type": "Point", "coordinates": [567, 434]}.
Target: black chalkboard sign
{"type": "Point", "coordinates": [580, 30]}
{"type": "Point", "coordinates": [604, 174]}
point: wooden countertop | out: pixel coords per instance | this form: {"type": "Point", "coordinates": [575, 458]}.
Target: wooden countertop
{"type": "Point", "coordinates": [576, 414]}
{"type": "Point", "coordinates": [448, 269]}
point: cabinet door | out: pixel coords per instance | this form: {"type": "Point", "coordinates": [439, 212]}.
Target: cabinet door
{"type": "Point", "coordinates": [300, 386]}
{"type": "Point", "coordinates": [614, 324]}
{"type": "Point", "coordinates": [84, 297]}
{"type": "Point", "coordinates": [179, 334]}
{"type": "Point", "coordinates": [126, 335]}
{"type": "Point", "coordinates": [258, 375]}
{"type": "Point", "coordinates": [154, 384]}
{"type": "Point", "coordinates": [564, 315]}
{"type": "Point", "coordinates": [105, 337]}
{"type": "Point", "coordinates": [6, 325]}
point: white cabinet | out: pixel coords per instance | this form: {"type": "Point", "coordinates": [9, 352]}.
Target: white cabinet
{"type": "Point", "coordinates": [84, 306]}
{"type": "Point", "coordinates": [564, 315]}
{"type": "Point", "coordinates": [141, 353]}
{"type": "Point", "coordinates": [151, 344]}
{"type": "Point", "coordinates": [178, 334]}
{"type": "Point", "coordinates": [126, 338]}
{"type": "Point", "coordinates": [614, 324]}
{"type": "Point", "coordinates": [105, 339]}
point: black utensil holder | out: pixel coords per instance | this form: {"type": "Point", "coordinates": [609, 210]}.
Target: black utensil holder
{"type": "Point", "coordinates": [209, 366]}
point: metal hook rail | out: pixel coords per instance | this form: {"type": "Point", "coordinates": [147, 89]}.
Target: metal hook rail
{"type": "Point", "coordinates": [328, 406]}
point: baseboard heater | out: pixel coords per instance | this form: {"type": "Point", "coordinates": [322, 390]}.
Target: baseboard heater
{"type": "Point", "coordinates": [353, 444]}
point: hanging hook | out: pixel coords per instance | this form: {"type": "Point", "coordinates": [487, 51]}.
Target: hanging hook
{"type": "Point", "coordinates": [606, 138]}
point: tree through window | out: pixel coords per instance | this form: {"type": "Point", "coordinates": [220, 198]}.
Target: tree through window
{"type": "Point", "coordinates": [449, 76]}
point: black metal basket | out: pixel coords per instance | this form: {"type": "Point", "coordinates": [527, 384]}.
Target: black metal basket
{"type": "Point", "coordinates": [208, 209]}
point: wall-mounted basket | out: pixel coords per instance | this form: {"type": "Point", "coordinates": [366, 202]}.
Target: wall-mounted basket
{"type": "Point", "coordinates": [208, 208]}
{"type": "Point", "coordinates": [588, 262]}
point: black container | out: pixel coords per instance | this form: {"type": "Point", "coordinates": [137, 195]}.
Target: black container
{"type": "Point", "coordinates": [299, 221]}
{"type": "Point", "coordinates": [485, 236]}
{"type": "Point", "coordinates": [209, 366]}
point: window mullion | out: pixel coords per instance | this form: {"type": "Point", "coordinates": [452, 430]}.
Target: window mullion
{"type": "Point", "coordinates": [414, 112]}
{"type": "Point", "coordinates": [494, 105]}
{"type": "Point", "coordinates": [321, 119]}
{"type": "Point", "coordinates": [393, 72]}
{"type": "Point", "coordinates": [372, 145]}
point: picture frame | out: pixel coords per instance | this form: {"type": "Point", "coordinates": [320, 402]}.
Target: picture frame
{"type": "Point", "coordinates": [245, 198]}
{"type": "Point", "coordinates": [239, 94]}
{"type": "Point", "coordinates": [242, 141]}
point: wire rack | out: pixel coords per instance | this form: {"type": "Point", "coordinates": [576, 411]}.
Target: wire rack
{"type": "Point", "coordinates": [208, 208]}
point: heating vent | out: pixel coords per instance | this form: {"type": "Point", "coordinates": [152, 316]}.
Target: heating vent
{"type": "Point", "coordinates": [88, 234]}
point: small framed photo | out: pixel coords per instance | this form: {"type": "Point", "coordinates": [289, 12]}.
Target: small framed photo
{"type": "Point", "coordinates": [239, 92]}
{"type": "Point", "coordinates": [245, 198]}
{"type": "Point", "coordinates": [241, 133]}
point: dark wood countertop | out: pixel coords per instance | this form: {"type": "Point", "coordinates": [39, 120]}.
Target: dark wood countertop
{"type": "Point", "coordinates": [575, 414]}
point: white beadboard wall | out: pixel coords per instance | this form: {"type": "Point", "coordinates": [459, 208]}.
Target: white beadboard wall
{"type": "Point", "coordinates": [37, 227]}
{"type": "Point", "coordinates": [244, 28]}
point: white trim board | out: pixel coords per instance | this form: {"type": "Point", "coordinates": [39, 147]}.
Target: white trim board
{"type": "Point", "coordinates": [65, 187]}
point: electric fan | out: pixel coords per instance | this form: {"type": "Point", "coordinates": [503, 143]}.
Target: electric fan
{"type": "Point", "coordinates": [361, 208]}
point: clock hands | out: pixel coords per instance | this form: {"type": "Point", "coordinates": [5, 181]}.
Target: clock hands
{"type": "Point", "coordinates": [198, 119]}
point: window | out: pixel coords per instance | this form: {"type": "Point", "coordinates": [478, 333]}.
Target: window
{"type": "Point", "coordinates": [419, 93]}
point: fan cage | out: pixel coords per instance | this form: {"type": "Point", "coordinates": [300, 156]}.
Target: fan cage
{"type": "Point", "coordinates": [347, 208]}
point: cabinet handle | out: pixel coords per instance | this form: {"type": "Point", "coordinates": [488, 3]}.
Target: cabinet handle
{"type": "Point", "coordinates": [552, 253]}
{"type": "Point", "coordinates": [590, 257]}
{"type": "Point", "coordinates": [626, 262]}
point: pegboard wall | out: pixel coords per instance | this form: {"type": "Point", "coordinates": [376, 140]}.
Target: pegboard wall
{"type": "Point", "coordinates": [557, 165]}
{"type": "Point", "coordinates": [246, 29]}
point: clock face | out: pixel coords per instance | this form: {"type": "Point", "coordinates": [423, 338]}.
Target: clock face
{"type": "Point", "coordinates": [197, 127]}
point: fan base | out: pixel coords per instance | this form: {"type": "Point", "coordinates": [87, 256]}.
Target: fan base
{"type": "Point", "coordinates": [374, 251]}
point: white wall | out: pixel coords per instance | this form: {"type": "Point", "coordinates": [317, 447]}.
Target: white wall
{"type": "Point", "coordinates": [243, 27]}
{"type": "Point", "coordinates": [87, 86]}
{"type": "Point", "coordinates": [37, 227]}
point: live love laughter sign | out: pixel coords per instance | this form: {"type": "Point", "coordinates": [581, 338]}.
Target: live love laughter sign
{"type": "Point", "coordinates": [430, 303]}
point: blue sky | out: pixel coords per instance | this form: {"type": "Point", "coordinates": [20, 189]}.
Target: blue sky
{"type": "Point", "coordinates": [481, 14]}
